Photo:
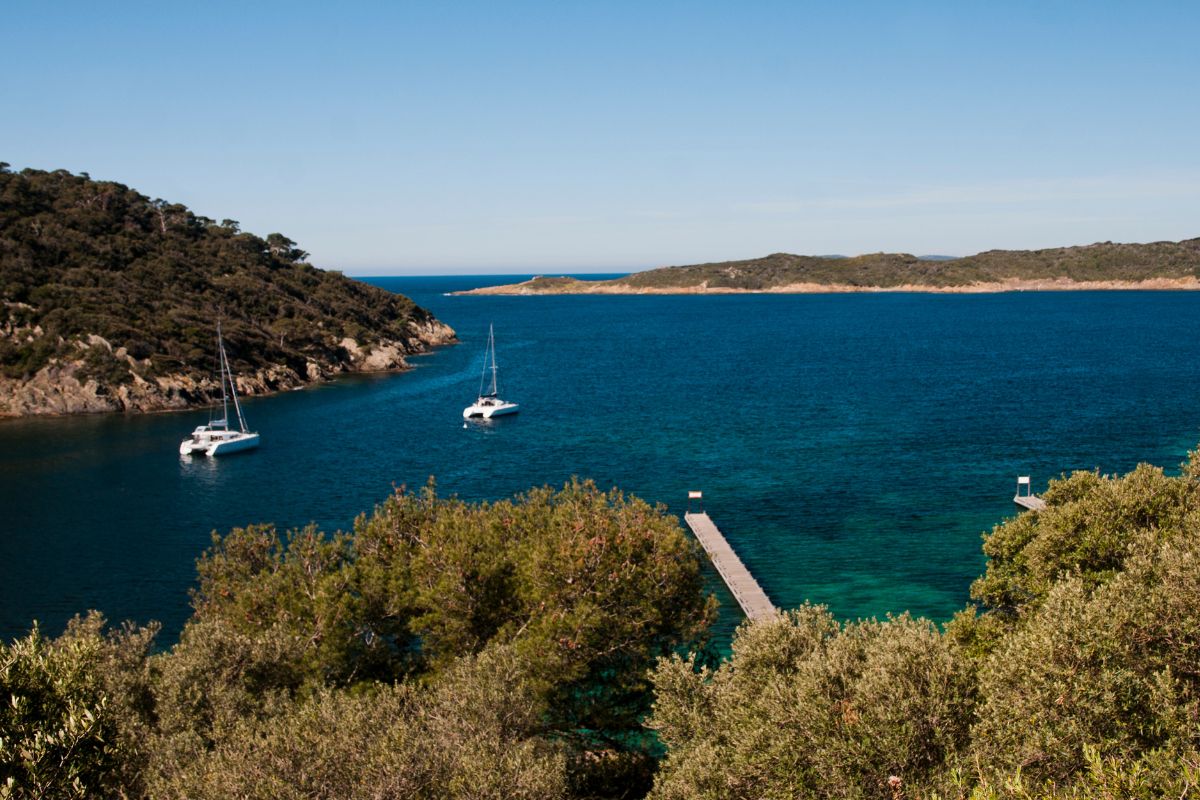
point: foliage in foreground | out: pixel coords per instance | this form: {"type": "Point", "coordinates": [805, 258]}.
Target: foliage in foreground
{"type": "Point", "coordinates": [475, 733]}
{"type": "Point", "coordinates": [441, 649]}
{"type": "Point", "coordinates": [1078, 675]}
{"type": "Point", "coordinates": [444, 649]}
{"type": "Point", "coordinates": [71, 712]}
{"type": "Point", "coordinates": [808, 708]}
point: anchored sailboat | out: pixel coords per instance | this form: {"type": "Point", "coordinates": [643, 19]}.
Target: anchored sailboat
{"type": "Point", "coordinates": [217, 437]}
{"type": "Point", "coordinates": [489, 404]}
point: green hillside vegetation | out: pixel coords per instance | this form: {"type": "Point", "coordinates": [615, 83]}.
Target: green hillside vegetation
{"type": "Point", "coordinates": [80, 257]}
{"type": "Point", "coordinates": [1096, 262]}
{"type": "Point", "coordinates": [1090, 263]}
{"type": "Point", "coordinates": [552, 647]}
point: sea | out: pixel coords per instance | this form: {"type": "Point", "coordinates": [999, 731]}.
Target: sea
{"type": "Point", "coordinates": [852, 447]}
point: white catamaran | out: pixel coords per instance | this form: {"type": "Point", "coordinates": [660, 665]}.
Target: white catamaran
{"type": "Point", "coordinates": [489, 404]}
{"type": "Point", "coordinates": [217, 438]}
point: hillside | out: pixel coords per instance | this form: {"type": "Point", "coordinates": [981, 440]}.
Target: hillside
{"type": "Point", "coordinates": [1159, 265]}
{"type": "Point", "coordinates": [110, 302]}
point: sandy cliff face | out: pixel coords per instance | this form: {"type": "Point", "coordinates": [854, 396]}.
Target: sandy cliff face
{"type": "Point", "coordinates": [64, 386]}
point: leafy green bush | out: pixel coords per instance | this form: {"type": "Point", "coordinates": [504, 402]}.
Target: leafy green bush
{"type": "Point", "coordinates": [442, 649]}
{"type": "Point", "coordinates": [806, 707]}
{"type": "Point", "coordinates": [587, 587]}
{"type": "Point", "coordinates": [1115, 669]}
{"type": "Point", "coordinates": [472, 734]}
{"type": "Point", "coordinates": [73, 711]}
{"type": "Point", "coordinates": [1088, 529]}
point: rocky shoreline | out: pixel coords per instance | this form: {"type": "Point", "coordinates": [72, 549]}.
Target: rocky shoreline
{"type": "Point", "coordinates": [565, 286]}
{"type": "Point", "coordinates": [63, 386]}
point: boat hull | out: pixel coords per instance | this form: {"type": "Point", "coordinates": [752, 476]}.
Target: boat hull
{"type": "Point", "coordinates": [487, 412]}
{"type": "Point", "coordinates": [247, 442]}
{"type": "Point", "coordinates": [214, 446]}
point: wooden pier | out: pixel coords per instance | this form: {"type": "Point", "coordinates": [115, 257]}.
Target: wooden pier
{"type": "Point", "coordinates": [1027, 499]}
{"type": "Point", "coordinates": [1030, 502]}
{"type": "Point", "coordinates": [747, 592]}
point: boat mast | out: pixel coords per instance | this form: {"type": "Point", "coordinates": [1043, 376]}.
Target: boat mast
{"type": "Point", "coordinates": [227, 375]}
{"type": "Point", "coordinates": [490, 350]}
{"type": "Point", "coordinates": [492, 344]}
{"type": "Point", "coordinates": [233, 393]}
{"type": "Point", "coordinates": [222, 368]}
{"type": "Point", "coordinates": [483, 372]}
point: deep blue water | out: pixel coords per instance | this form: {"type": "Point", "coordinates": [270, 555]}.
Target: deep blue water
{"type": "Point", "coordinates": [852, 447]}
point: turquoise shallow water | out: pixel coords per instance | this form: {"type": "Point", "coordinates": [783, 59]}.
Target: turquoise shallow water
{"type": "Point", "coordinates": [851, 447]}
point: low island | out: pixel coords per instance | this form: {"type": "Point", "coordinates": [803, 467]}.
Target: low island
{"type": "Point", "coordinates": [1105, 265]}
{"type": "Point", "coordinates": [109, 301]}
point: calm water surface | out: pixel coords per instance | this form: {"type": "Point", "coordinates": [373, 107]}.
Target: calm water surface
{"type": "Point", "coordinates": [852, 447]}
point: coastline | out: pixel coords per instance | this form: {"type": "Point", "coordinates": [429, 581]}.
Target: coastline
{"type": "Point", "coordinates": [57, 391]}
{"type": "Point", "coordinates": [580, 287]}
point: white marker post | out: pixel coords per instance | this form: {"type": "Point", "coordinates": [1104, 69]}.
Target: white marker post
{"type": "Point", "coordinates": [693, 495]}
{"type": "Point", "coordinates": [1023, 480]}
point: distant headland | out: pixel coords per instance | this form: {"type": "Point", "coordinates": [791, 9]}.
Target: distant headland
{"type": "Point", "coordinates": [109, 301]}
{"type": "Point", "coordinates": [1157, 265]}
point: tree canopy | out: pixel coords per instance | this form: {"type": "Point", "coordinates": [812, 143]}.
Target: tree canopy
{"type": "Point", "coordinates": [552, 646]}
{"type": "Point", "coordinates": [441, 648]}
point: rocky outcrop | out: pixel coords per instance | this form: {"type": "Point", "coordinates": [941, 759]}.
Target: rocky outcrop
{"type": "Point", "coordinates": [67, 386]}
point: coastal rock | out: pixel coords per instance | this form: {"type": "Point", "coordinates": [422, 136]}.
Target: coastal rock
{"type": "Point", "coordinates": [64, 387]}
{"type": "Point", "coordinates": [431, 333]}
{"type": "Point", "coordinates": [383, 357]}
{"type": "Point", "coordinates": [352, 349]}
{"type": "Point", "coordinates": [54, 389]}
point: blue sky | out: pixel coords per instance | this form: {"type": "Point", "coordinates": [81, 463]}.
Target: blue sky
{"type": "Point", "coordinates": [398, 138]}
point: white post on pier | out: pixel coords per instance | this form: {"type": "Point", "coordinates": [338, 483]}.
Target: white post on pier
{"type": "Point", "coordinates": [694, 495]}
{"type": "Point", "coordinates": [1027, 499]}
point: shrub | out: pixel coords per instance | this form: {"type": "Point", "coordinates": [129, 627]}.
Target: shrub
{"type": "Point", "coordinates": [808, 708]}
{"type": "Point", "coordinates": [470, 735]}
{"type": "Point", "coordinates": [1113, 672]}
{"type": "Point", "coordinates": [73, 712]}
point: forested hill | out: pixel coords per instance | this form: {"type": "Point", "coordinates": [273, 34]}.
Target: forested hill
{"type": "Point", "coordinates": [1158, 265]}
{"type": "Point", "coordinates": [111, 299]}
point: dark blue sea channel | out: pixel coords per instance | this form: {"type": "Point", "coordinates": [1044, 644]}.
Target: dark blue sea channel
{"type": "Point", "coordinates": [852, 447]}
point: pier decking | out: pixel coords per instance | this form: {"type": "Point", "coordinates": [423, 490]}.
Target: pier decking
{"type": "Point", "coordinates": [1027, 499]}
{"type": "Point", "coordinates": [749, 595]}
{"type": "Point", "coordinates": [1030, 501]}
{"type": "Point", "coordinates": [747, 592]}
